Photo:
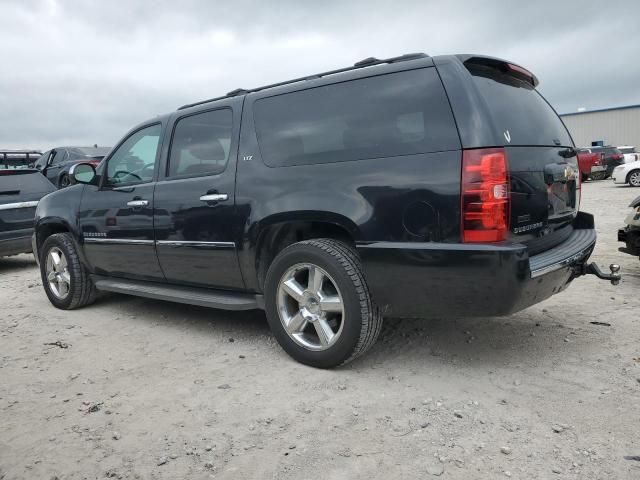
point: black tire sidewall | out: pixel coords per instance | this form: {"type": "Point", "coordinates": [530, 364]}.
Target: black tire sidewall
{"type": "Point", "coordinates": [352, 321]}
{"type": "Point", "coordinates": [72, 266]}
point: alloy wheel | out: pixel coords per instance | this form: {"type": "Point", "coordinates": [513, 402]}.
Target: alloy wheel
{"type": "Point", "coordinates": [310, 306]}
{"type": "Point", "coordinates": [634, 178]}
{"type": "Point", "coordinates": [57, 271]}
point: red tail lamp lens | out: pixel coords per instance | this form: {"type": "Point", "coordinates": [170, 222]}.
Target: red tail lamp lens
{"type": "Point", "coordinates": [485, 195]}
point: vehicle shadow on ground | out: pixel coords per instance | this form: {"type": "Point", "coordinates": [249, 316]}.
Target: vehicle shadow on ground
{"type": "Point", "coordinates": [521, 338]}
{"type": "Point", "coordinates": [19, 262]}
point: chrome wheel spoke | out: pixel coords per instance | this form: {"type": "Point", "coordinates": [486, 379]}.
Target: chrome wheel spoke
{"type": "Point", "coordinates": [55, 258]}
{"type": "Point", "coordinates": [325, 334]}
{"type": "Point", "coordinates": [294, 289]}
{"type": "Point", "coordinates": [63, 287]}
{"type": "Point", "coordinates": [51, 276]}
{"type": "Point", "coordinates": [316, 278]}
{"type": "Point", "coordinates": [331, 303]}
{"type": "Point", "coordinates": [297, 323]}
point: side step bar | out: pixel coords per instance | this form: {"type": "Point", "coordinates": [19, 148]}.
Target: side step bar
{"type": "Point", "coordinates": [203, 297]}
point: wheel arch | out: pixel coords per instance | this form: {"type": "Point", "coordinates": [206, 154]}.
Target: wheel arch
{"type": "Point", "coordinates": [281, 230]}
{"type": "Point", "coordinates": [628, 177]}
{"type": "Point", "coordinates": [50, 226]}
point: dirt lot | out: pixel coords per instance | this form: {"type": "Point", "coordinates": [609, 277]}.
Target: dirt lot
{"type": "Point", "coordinates": [144, 389]}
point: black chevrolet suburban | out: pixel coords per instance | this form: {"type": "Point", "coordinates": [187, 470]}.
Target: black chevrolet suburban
{"type": "Point", "coordinates": [412, 186]}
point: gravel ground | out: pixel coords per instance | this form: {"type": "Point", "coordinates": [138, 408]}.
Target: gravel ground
{"type": "Point", "coordinates": [134, 388]}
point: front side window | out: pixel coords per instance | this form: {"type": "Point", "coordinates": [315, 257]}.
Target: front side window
{"type": "Point", "coordinates": [403, 113]}
{"type": "Point", "coordinates": [134, 161]}
{"type": "Point", "coordinates": [201, 144]}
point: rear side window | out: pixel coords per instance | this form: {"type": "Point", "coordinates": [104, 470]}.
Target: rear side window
{"type": "Point", "coordinates": [201, 144]}
{"type": "Point", "coordinates": [400, 113]}
{"type": "Point", "coordinates": [518, 111]}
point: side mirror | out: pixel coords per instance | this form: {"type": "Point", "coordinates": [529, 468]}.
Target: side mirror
{"type": "Point", "coordinates": [82, 173]}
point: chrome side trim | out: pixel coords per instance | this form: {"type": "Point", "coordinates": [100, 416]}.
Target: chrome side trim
{"type": "Point", "coordinates": [186, 243]}
{"type": "Point", "coordinates": [119, 241]}
{"type": "Point", "coordinates": [11, 206]}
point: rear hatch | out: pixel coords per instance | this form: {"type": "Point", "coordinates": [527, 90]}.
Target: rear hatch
{"type": "Point", "coordinates": [542, 162]}
{"type": "Point", "coordinates": [20, 191]}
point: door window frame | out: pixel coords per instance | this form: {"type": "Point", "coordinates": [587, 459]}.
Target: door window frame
{"type": "Point", "coordinates": [233, 144]}
{"type": "Point", "coordinates": [103, 185]}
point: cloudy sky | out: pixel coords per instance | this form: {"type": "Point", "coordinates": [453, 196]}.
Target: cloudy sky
{"type": "Point", "coordinates": [82, 72]}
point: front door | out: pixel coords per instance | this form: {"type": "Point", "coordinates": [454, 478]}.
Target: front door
{"type": "Point", "coordinates": [195, 218]}
{"type": "Point", "coordinates": [116, 218]}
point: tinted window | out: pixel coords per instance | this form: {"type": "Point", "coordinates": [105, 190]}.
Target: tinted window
{"type": "Point", "coordinates": [134, 161]}
{"type": "Point", "coordinates": [396, 114]}
{"type": "Point", "coordinates": [201, 144]}
{"type": "Point", "coordinates": [517, 107]}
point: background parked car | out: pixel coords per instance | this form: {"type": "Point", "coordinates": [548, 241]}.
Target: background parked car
{"type": "Point", "coordinates": [55, 163]}
{"type": "Point", "coordinates": [627, 173]}
{"type": "Point", "coordinates": [20, 191]}
{"type": "Point", "coordinates": [611, 157]}
{"type": "Point", "coordinates": [589, 163]}
{"type": "Point", "coordinates": [18, 158]}
{"type": "Point", "coordinates": [630, 234]}
{"type": "Point", "coordinates": [630, 154]}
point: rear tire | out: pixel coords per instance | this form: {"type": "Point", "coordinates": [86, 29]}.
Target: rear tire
{"type": "Point", "coordinates": [633, 178]}
{"type": "Point", "coordinates": [322, 323]}
{"type": "Point", "coordinates": [598, 176]}
{"type": "Point", "coordinates": [584, 177]}
{"type": "Point", "coordinates": [65, 279]}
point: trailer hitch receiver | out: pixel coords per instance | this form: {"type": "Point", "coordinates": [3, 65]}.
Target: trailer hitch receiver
{"type": "Point", "coordinates": [593, 269]}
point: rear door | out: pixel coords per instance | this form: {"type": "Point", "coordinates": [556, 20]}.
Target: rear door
{"type": "Point", "coordinates": [540, 153]}
{"type": "Point", "coordinates": [196, 225]}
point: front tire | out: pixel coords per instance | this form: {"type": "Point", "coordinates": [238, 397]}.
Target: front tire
{"type": "Point", "coordinates": [318, 304]}
{"type": "Point", "coordinates": [633, 178]}
{"type": "Point", "coordinates": [65, 279]}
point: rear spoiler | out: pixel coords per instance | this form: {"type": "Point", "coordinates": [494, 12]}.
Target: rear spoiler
{"type": "Point", "coordinates": [503, 66]}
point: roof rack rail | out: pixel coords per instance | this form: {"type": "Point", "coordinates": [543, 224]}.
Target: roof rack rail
{"type": "Point", "coordinates": [367, 62]}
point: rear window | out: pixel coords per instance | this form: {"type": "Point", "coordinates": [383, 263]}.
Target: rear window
{"type": "Point", "coordinates": [389, 115]}
{"type": "Point", "coordinates": [518, 111]}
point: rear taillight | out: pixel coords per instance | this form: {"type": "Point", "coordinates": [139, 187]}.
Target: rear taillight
{"type": "Point", "coordinates": [485, 195]}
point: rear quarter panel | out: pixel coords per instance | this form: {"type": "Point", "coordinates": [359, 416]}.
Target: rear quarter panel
{"type": "Point", "coordinates": [372, 199]}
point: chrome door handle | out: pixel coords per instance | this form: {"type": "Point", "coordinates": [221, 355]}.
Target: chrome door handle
{"type": "Point", "coordinates": [214, 197]}
{"type": "Point", "coordinates": [138, 203]}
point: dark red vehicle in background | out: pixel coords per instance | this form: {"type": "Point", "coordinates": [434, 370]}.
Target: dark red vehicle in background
{"type": "Point", "coordinates": [591, 165]}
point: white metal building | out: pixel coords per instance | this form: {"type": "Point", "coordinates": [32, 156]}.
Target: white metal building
{"type": "Point", "coordinates": [613, 126]}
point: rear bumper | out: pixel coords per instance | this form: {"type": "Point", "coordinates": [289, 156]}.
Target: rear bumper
{"type": "Point", "coordinates": [598, 168]}
{"type": "Point", "coordinates": [471, 280]}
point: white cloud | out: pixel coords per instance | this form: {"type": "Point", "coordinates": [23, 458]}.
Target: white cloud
{"type": "Point", "coordinates": [76, 72]}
